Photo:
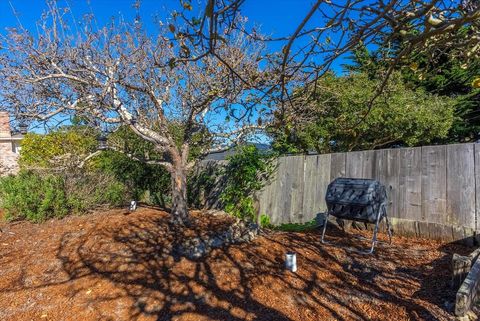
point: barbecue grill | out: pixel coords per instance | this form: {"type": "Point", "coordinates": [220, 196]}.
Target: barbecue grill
{"type": "Point", "coordinates": [357, 199]}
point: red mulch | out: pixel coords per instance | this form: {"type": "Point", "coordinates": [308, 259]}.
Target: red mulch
{"type": "Point", "coordinates": [112, 266]}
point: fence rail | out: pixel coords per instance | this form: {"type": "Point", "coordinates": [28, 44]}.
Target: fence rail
{"type": "Point", "coordinates": [434, 191]}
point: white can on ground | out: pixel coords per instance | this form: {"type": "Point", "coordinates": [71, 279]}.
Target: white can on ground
{"type": "Point", "coordinates": [291, 261]}
{"type": "Point", "coordinates": [133, 206]}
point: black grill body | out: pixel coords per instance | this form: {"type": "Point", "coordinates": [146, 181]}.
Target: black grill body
{"type": "Point", "coordinates": [357, 199]}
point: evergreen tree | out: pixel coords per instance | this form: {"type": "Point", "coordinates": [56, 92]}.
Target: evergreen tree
{"type": "Point", "coordinates": [442, 72]}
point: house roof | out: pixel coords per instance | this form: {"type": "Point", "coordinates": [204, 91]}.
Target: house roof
{"type": "Point", "coordinates": [223, 155]}
{"type": "Point", "coordinates": [15, 137]}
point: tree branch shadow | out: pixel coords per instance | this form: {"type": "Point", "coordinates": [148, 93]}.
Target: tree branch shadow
{"type": "Point", "coordinates": [241, 282]}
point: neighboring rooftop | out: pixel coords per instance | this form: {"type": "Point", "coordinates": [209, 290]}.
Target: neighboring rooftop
{"type": "Point", "coordinates": [223, 155]}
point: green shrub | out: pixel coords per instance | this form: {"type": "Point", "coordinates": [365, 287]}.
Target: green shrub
{"type": "Point", "coordinates": [107, 179]}
{"type": "Point", "coordinates": [33, 197]}
{"type": "Point", "coordinates": [246, 172]}
{"type": "Point", "coordinates": [149, 183]}
{"type": "Point", "coordinates": [87, 190]}
{"type": "Point", "coordinates": [265, 221]}
{"type": "Point", "coordinates": [38, 196]}
{"type": "Point", "coordinates": [113, 194]}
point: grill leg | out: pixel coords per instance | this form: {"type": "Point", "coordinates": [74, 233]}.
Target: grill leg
{"type": "Point", "coordinates": [375, 231]}
{"type": "Point", "coordinates": [325, 227]}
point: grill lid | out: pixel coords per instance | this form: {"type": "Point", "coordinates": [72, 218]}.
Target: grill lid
{"type": "Point", "coordinates": [355, 191]}
{"type": "Point", "coordinates": [355, 199]}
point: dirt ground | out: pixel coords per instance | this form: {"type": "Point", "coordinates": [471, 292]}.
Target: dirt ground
{"type": "Point", "coordinates": [113, 266]}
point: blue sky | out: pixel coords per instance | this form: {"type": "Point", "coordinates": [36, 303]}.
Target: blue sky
{"type": "Point", "coordinates": [276, 18]}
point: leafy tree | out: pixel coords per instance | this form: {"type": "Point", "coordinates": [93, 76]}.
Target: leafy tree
{"type": "Point", "coordinates": [447, 71]}
{"type": "Point", "coordinates": [64, 147]}
{"type": "Point", "coordinates": [338, 116]}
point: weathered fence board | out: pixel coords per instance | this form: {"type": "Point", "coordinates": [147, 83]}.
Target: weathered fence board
{"type": "Point", "coordinates": [410, 184]}
{"type": "Point", "coordinates": [460, 185]}
{"type": "Point", "coordinates": [294, 191]}
{"type": "Point", "coordinates": [387, 171]}
{"type": "Point", "coordinates": [310, 174]}
{"type": "Point", "coordinates": [325, 163]}
{"type": "Point", "coordinates": [338, 165]}
{"type": "Point", "coordinates": [359, 164]}
{"type": "Point", "coordinates": [477, 185]}
{"type": "Point", "coordinates": [434, 184]}
{"type": "Point", "coordinates": [278, 200]}
{"type": "Point", "coordinates": [434, 191]}
{"type": "Point", "coordinates": [316, 178]}
{"type": "Point", "coordinates": [266, 195]}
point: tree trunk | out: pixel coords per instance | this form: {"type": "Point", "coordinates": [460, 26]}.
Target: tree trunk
{"type": "Point", "coordinates": [180, 215]}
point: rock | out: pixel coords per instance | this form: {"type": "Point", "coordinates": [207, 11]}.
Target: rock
{"type": "Point", "coordinates": [244, 238]}
{"type": "Point", "coordinates": [320, 219]}
{"type": "Point", "coordinates": [194, 248]}
{"type": "Point", "coordinates": [472, 315]}
{"type": "Point", "coordinates": [216, 241]}
{"type": "Point", "coordinates": [254, 228]}
{"type": "Point", "coordinates": [215, 212]}
{"type": "Point", "coordinates": [238, 232]}
{"type": "Point", "coordinates": [236, 235]}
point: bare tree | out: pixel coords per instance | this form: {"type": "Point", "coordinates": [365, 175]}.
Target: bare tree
{"type": "Point", "coordinates": [119, 75]}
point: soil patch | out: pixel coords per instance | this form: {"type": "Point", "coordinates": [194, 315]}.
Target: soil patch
{"type": "Point", "coordinates": [112, 266]}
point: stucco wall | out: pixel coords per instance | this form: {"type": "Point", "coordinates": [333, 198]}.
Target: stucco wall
{"type": "Point", "coordinates": [8, 159]}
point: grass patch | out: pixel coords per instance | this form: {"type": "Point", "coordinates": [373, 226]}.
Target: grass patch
{"type": "Point", "coordinates": [298, 227]}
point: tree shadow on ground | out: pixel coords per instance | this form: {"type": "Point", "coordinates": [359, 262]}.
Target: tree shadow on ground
{"type": "Point", "coordinates": [378, 278]}
{"type": "Point", "coordinates": [244, 282]}
{"type": "Point", "coordinates": [436, 279]}
{"type": "Point", "coordinates": [139, 259]}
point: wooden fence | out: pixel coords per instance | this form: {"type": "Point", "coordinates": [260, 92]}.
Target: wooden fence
{"type": "Point", "coordinates": [434, 191]}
